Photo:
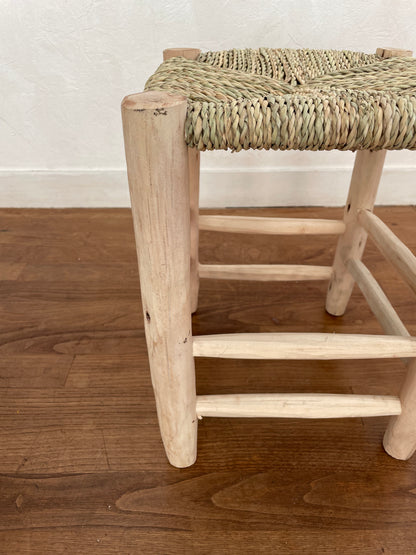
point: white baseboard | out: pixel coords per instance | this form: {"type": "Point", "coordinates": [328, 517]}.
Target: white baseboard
{"type": "Point", "coordinates": [220, 187]}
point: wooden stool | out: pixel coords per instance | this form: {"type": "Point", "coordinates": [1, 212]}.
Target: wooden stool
{"type": "Point", "coordinates": [163, 175]}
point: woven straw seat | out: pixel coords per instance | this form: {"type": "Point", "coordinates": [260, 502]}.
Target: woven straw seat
{"type": "Point", "coordinates": [294, 99]}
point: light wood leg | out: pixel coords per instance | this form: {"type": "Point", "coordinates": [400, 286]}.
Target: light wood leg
{"type": "Point", "coordinates": [400, 437]}
{"type": "Point", "coordinates": [157, 165]}
{"type": "Point", "coordinates": [194, 157]}
{"type": "Point", "coordinates": [188, 53]}
{"type": "Point", "coordinates": [365, 178]}
{"type": "Point", "coordinates": [194, 168]}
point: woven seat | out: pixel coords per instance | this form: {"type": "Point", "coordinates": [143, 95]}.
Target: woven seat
{"type": "Point", "coordinates": [294, 99]}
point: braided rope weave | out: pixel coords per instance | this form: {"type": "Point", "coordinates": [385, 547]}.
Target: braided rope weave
{"type": "Point", "coordinates": [294, 99]}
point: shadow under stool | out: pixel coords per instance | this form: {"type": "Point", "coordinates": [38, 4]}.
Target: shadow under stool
{"type": "Point", "coordinates": [266, 99]}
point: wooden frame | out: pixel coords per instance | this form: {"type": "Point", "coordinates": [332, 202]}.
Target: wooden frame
{"type": "Point", "coordinates": [164, 187]}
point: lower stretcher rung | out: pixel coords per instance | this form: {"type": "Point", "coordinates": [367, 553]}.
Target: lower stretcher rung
{"type": "Point", "coordinates": [303, 346]}
{"type": "Point", "coordinates": [265, 272]}
{"type": "Point", "coordinates": [296, 405]}
{"type": "Point", "coordinates": [390, 246]}
{"type": "Point", "coordinates": [277, 226]}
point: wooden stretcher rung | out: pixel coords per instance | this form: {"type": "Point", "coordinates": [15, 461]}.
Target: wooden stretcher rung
{"type": "Point", "coordinates": [303, 346]}
{"type": "Point", "coordinates": [265, 272]}
{"type": "Point", "coordinates": [276, 226]}
{"type": "Point", "coordinates": [390, 246]}
{"type": "Point", "coordinates": [296, 405]}
{"type": "Point", "coordinates": [377, 299]}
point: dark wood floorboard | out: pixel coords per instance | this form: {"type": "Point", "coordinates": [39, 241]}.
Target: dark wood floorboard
{"type": "Point", "coordinates": [82, 467]}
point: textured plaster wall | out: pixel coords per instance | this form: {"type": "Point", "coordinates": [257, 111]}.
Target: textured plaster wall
{"type": "Point", "coordinates": [65, 66]}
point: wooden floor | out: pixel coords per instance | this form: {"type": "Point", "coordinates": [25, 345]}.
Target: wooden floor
{"type": "Point", "coordinates": [82, 467]}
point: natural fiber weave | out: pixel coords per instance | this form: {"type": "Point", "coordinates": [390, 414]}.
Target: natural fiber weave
{"type": "Point", "coordinates": [294, 99]}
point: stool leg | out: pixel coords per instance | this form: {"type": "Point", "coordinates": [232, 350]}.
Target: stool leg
{"type": "Point", "coordinates": [365, 179]}
{"type": "Point", "coordinates": [363, 190]}
{"type": "Point", "coordinates": [157, 165]}
{"type": "Point", "coordinates": [400, 437]}
{"type": "Point", "coordinates": [194, 157]}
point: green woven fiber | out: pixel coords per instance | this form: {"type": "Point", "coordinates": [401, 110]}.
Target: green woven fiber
{"type": "Point", "coordinates": [294, 99]}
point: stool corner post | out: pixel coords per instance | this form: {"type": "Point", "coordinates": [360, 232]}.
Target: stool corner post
{"type": "Point", "coordinates": [400, 437]}
{"type": "Point", "coordinates": [157, 168]}
{"type": "Point", "coordinates": [188, 53]}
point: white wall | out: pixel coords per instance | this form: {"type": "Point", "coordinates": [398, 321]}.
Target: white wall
{"type": "Point", "coordinates": [65, 66]}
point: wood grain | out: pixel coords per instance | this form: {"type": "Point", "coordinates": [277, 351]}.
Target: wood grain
{"type": "Point", "coordinates": [82, 466]}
